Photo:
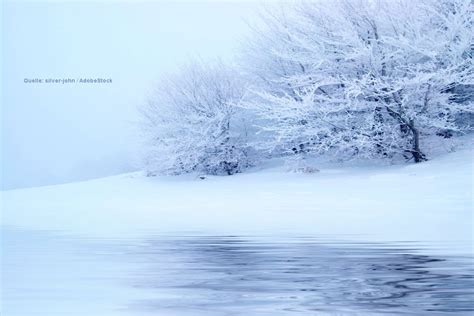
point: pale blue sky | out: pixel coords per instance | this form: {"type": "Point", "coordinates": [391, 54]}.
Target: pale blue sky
{"type": "Point", "coordinates": [60, 133]}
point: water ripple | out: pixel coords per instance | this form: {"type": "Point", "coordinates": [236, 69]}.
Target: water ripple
{"type": "Point", "coordinates": [248, 275]}
{"type": "Point", "coordinates": [49, 274]}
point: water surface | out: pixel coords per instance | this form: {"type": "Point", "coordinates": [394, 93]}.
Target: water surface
{"type": "Point", "coordinates": [53, 273]}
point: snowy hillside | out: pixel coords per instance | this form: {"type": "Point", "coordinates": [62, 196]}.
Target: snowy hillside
{"type": "Point", "coordinates": [431, 201]}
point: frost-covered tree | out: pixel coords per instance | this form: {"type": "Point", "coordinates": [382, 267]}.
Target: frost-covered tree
{"type": "Point", "coordinates": [368, 78]}
{"type": "Point", "coordinates": [191, 122]}
{"type": "Point", "coordinates": [263, 57]}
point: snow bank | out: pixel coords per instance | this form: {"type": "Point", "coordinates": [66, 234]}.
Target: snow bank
{"type": "Point", "coordinates": [429, 202]}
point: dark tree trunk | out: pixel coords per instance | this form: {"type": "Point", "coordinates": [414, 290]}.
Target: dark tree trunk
{"type": "Point", "coordinates": [418, 156]}
{"type": "Point", "coordinates": [415, 151]}
{"type": "Point", "coordinates": [378, 117]}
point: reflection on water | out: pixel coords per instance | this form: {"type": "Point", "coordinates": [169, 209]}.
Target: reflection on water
{"type": "Point", "coordinates": [230, 275]}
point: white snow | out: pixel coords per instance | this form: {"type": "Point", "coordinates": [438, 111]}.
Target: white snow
{"type": "Point", "coordinates": [431, 201]}
{"type": "Point", "coordinates": [58, 242]}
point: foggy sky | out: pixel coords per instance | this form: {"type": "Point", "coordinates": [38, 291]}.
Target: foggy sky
{"type": "Point", "coordinates": [55, 133]}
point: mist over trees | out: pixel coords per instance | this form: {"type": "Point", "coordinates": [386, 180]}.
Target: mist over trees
{"type": "Point", "coordinates": [347, 79]}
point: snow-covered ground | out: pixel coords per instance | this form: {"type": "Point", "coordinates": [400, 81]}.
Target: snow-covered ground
{"type": "Point", "coordinates": [132, 245]}
{"type": "Point", "coordinates": [432, 201]}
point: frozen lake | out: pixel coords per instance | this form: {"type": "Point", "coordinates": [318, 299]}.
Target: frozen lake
{"type": "Point", "coordinates": [51, 273]}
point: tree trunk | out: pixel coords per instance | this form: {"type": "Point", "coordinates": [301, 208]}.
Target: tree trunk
{"type": "Point", "coordinates": [416, 152]}
{"type": "Point", "coordinates": [377, 134]}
